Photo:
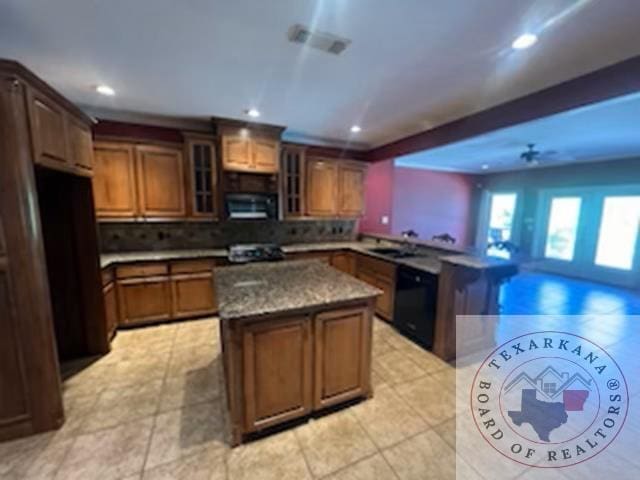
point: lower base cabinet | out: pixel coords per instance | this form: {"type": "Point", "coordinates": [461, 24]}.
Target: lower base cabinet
{"type": "Point", "coordinates": [278, 369]}
{"type": "Point", "coordinates": [342, 364]}
{"type": "Point", "coordinates": [144, 300]}
{"type": "Point", "coordinates": [151, 292]}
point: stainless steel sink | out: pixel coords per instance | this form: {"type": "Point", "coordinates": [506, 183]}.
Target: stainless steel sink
{"type": "Point", "coordinates": [393, 252]}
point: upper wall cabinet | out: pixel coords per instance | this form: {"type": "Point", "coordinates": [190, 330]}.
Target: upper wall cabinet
{"type": "Point", "coordinates": [202, 176]}
{"type": "Point", "coordinates": [292, 170]}
{"type": "Point", "coordinates": [160, 182]}
{"type": "Point", "coordinates": [351, 189]}
{"type": "Point", "coordinates": [322, 188]}
{"type": "Point", "coordinates": [60, 140]}
{"type": "Point", "coordinates": [257, 155]}
{"type": "Point", "coordinates": [114, 180]}
{"type": "Point", "coordinates": [334, 188]}
{"type": "Point", "coordinates": [249, 147]}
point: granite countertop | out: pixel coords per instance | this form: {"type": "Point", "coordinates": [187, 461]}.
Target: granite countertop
{"type": "Point", "coordinates": [430, 263]}
{"type": "Point", "coordinates": [108, 259]}
{"type": "Point", "coordinates": [271, 288]}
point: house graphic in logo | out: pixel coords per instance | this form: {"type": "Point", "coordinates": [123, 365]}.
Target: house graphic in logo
{"type": "Point", "coordinates": [541, 403]}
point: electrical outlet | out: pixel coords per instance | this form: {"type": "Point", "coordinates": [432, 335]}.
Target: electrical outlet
{"type": "Point", "coordinates": [384, 220]}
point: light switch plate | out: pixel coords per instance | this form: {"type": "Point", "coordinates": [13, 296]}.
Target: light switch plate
{"type": "Point", "coordinates": [384, 220]}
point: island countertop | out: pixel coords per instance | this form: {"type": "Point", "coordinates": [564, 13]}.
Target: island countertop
{"type": "Point", "coordinates": [270, 288]}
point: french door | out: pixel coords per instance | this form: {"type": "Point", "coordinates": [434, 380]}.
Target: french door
{"type": "Point", "coordinates": [590, 233]}
{"type": "Point", "coordinates": [499, 221]}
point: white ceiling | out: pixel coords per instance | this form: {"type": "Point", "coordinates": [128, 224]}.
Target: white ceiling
{"type": "Point", "coordinates": [413, 64]}
{"type": "Point", "coordinates": [604, 131]}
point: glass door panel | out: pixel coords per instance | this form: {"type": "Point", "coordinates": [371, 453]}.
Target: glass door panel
{"type": "Point", "coordinates": [564, 215]}
{"type": "Point", "coordinates": [618, 232]}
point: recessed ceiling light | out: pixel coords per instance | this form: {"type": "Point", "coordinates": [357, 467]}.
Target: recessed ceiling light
{"type": "Point", "coordinates": [252, 112]}
{"type": "Point", "coordinates": [485, 166]}
{"type": "Point", "coordinates": [105, 90]}
{"type": "Point", "coordinates": [356, 129]}
{"type": "Point", "coordinates": [525, 40]}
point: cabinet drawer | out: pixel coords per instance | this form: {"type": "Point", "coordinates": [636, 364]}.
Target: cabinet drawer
{"type": "Point", "coordinates": [142, 270]}
{"type": "Point", "coordinates": [380, 267]}
{"type": "Point", "coordinates": [192, 266]}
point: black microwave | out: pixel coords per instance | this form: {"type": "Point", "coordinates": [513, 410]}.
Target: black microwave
{"type": "Point", "coordinates": [251, 206]}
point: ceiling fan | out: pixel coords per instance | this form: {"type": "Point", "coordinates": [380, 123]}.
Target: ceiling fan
{"type": "Point", "coordinates": [533, 157]}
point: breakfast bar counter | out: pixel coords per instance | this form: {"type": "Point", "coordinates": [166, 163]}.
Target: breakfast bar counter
{"type": "Point", "coordinates": [296, 338]}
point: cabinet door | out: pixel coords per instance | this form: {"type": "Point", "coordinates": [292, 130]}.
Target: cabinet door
{"type": "Point", "coordinates": [342, 356]}
{"type": "Point", "coordinates": [322, 191]}
{"type": "Point", "coordinates": [384, 302]}
{"type": "Point", "coordinates": [80, 145]}
{"type": "Point", "coordinates": [351, 189]}
{"type": "Point", "coordinates": [293, 181]}
{"type": "Point", "coordinates": [236, 153]}
{"type": "Point", "coordinates": [277, 371]}
{"type": "Point", "coordinates": [49, 131]}
{"type": "Point", "coordinates": [111, 308]}
{"type": "Point", "coordinates": [114, 180]}
{"type": "Point", "coordinates": [202, 178]}
{"type": "Point", "coordinates": [144, 299]}
{"type": "Point", "coordinates": [265, 154]}
{"type": "Point", "coordinates": [344, 261]}
{"type": "Point", "coordinates": [193, 294]}
{"type": "Point", "coordinates": [160, 182]}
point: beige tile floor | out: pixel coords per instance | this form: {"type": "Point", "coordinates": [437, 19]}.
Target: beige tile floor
{"type": "Point", "coordinates": [154, 409]}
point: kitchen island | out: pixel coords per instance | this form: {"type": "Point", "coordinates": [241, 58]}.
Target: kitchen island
{"type": "Point", "coordinates": [296, 338]}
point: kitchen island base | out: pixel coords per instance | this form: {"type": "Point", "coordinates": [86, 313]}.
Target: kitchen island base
{"type": "Point", "coordinates": [289, 365]}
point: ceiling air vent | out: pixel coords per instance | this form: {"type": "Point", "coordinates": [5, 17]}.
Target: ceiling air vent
{"type": "Point", "coordinates": [326, 42]}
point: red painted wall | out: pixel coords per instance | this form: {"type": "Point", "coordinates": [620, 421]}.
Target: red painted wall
{"type": "Point", "coordinates": [378, 195]}
{"type": "Point", "coordinates": [426, 201]}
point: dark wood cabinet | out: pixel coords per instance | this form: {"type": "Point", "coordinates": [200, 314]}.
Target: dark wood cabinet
{"type": "Point", "coordinates": [160, 181]}
{"type": "Point", "coordinates": [277, 371]}
{"type": "Point", "coordinates": [34, 142]}
{"type": "Point", "coordinates": [48, 124]}
{"type": "Point", "coordinates": [202, 176]}
{"type": "Point", "coordinates": [80, 145]}
{"type": "Point", "coordinates": [114, 180]}
{"type": "Point", "coordinates": [111, 308]}
{"type": "Point", "coordinates": [342, 356]}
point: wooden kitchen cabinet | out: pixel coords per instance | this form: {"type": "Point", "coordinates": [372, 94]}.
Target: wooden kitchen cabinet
{"type": "Point", "coordinates": [382, 275]}
{"type": "Point", "coordinates": [192, 288]}
{"type": "Point", "coordinates": [80, 145]}
{"type": "Point", "coordinates": [243, 153]}
{"type": "Point", "coordinates": [344, 261]}
{"type": "Point", "coordinates": [202, 175]}
{"type": "Point", "coordinates": [160, 181]}
{"type": "Point", "coordinates": [293, 181]}
{"type": "Point", "coordinates": [114, 180]}
{"type": "Point", "coordinates": [48, 124]}
{"type": "Point", "coordinates": [322, 188]}
{"type": "Point", "coordinates": [277, 371]}
{"type": "Point", "coordinates": [111, 308]}
{"type": "Point", "coordinates": [350, 189]}
{"type": "Point", "coordinates": [144, 300]}
{"type": "Point", "coordinates": [342, 356]}
{"type": "Point", "coordinates": [334, 188]}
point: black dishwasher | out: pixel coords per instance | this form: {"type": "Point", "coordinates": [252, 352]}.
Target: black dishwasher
{"type": "Point", "coordinates": [415, 304]}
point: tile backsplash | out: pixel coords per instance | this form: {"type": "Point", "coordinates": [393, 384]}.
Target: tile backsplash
{"type": "Point", "coordinates": [128, 236]}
